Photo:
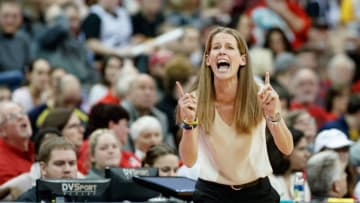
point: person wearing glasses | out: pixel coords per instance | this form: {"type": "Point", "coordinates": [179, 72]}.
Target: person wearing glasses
{"type": "Point", "coordinates": [67, 121]}
{"type": "Point", "coordinates": [18, 185]}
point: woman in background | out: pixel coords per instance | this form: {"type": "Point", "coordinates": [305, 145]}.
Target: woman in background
{"type": "Point", "coordinates": [163, 157]}
{"type": "Point", "coordinates": [104, 152]}
{"type": "Point", "coordinates": [67, 121]}
{"type": "Point", "coordinates": [285, 166]}
{"type": "Point", "coordinates": [33, 94]}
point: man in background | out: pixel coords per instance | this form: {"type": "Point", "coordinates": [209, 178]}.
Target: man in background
{"type": "Point", "coordinates": [58, 160]}
{"type": "Point", "coordinates": [16, 150]}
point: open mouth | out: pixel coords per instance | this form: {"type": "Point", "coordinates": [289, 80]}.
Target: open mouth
{"type": "Point", "coordinates": [223, 65]}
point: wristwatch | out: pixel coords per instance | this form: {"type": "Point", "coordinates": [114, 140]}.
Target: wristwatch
{"type": "Point", "coordinates": [274, 119]}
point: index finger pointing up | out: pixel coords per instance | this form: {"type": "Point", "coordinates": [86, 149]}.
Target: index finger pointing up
{"type": "Point", "coordinates": [267, 78]}
{"type": "Point", "coordinates": [179, 89]}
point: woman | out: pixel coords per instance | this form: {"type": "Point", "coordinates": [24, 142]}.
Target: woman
{"type": "Point", "coordinates": [277, 42]}
{"type": "Point", "coordinates": [336, 101]}
{"type": "Point", "coordinates": [163, 157]}
{"type": "Point", "coordinates": [232, 112]}
{"type": "Point", "coordinates": [285, 166]}
{"type": "Point", "coordinates": [34, 92]}
{"type": "Point", "coordinates": [301, 120]}
{"type": "Point", "coordinates": [110, 71]}
{"type": "Point", "coordinates": [67, 121]}
{"type": "Point", "coordinates": [104, 152]}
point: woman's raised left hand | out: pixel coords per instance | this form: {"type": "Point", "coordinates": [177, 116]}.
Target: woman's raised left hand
{"type": "Point", "coordinates": [269, 99]}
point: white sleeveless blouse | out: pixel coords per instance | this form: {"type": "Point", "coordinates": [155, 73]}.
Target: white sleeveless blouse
{"type": "Point", "coordinates": [229, 158]}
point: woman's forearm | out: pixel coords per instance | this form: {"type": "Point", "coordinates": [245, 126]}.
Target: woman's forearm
{"type": "Point", "coordinates": [188, 147]}
{"type": "Point", "coordinates": [282, 136]}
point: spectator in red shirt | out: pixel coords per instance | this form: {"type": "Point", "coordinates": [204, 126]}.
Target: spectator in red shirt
{"type": "Point", "coordinates": [304, 88]}
{"type": "Point", "coordinates": [16, 150]}
{"type": "Point", "coordinates": [104, 92]}
{"type": "Point", "coordinates": [286, 14]}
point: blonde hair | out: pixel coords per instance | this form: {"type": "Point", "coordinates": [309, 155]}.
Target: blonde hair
{"type": "Point", "coordinates": [94, 137]}
{"type": "Point", "coordinates": [248, 112]}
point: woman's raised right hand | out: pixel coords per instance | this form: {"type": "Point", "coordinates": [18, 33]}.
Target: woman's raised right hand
{"type": "Point", "coordinates": [187, 104]}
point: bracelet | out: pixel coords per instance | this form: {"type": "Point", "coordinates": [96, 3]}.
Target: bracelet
{"type": "Point", "coordinates": [274, 120]}
{"type": "Point", "coordinates": [194, 122]}
{"type": "Point", "coordinates": [186, 125]}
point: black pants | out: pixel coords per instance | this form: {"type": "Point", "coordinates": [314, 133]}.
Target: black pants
{"type": "Point", "coordinates": [210, 192]}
